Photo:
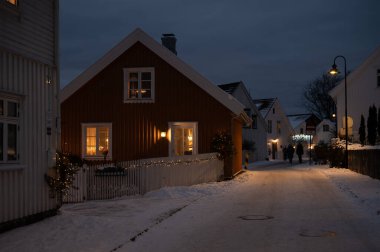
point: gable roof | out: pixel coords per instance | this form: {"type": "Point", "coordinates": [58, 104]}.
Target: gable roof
{"type": "Point", "coordinates": [139, 35]}
{"type": "Point", "coordinates": [264, 105]}
{"type": "Point", "coordinates": [298, 119]}
{"type": "Point", "coordinates": [340, 87]}
{"type": "Point", "coordinates": [230, 87]}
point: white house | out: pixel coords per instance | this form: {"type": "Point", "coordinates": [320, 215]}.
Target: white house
{"type": "Point", "coordinates": [325, 130]}
{"type": "Point", "coordinates": [29, 108]}
{"type": "Point", "coordinates": [256, 132]}
{"type": "Point", "coordinates": [279, 129]}
{"type": "Point", "coordinates": [305, 130]}
{"type": "Point", "coordinates": [363, 91]}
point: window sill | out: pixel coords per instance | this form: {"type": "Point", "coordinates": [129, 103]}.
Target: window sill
{"type": "Point", "coordinates": [12, 167]}
{"type": "Point", "coordinates": [139, 101]}
{"type": "Point", "coordinates": [97, 158]}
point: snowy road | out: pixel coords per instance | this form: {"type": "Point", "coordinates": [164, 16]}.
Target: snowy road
{"type": "Point", "coordinates": [272, 208]}
{"type": "Point", "coordinates": [278, 209]}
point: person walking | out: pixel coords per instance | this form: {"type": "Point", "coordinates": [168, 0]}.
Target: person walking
{"type": "Point", "coordinates": [299, 151]}
{"type": "Point", "coordinates": [290, 151]}
{"type": "Point", "coordinates": [284, 153]}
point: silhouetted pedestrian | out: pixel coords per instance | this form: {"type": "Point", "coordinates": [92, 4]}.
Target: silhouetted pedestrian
{"type": "Point", "coordinates": [284, 153]}
{"type": "Point", "coordinates": [299, 151]}
{"type": "Point", "coordinates": [290, 151]}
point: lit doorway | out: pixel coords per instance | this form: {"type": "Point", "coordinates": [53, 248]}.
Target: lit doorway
{"type": "Point", "coordinates": [183, 138]}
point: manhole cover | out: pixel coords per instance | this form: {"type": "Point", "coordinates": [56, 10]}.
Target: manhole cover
{"type": "Point", "coordinates": [317, 233]}
{"type": "Point", "coordinates": [256, 217]}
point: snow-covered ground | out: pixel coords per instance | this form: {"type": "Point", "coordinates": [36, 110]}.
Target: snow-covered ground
{"type": "Point", "coordinates": [111, 225]}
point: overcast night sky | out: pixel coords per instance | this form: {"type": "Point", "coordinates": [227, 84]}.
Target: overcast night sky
{"type": "Point", "coordinates": [274, 46]}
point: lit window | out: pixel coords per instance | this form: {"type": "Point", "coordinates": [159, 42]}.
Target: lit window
{"type": "Point", "coordinates": [9, 130]}
{"type": "Point", "coordinates": [183, 139]}
{"type": "Point", "coordinates": [139, 84]}
{"type": "Point", "coordinates": [97, 141]}
{"type": "Point", "coordinates": [14, 2]}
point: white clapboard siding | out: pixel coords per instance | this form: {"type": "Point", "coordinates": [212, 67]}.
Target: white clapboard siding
{"type": "Point", "coordinates": [31, 30]}
{"type": "Point", "coordinates": [27, 60]}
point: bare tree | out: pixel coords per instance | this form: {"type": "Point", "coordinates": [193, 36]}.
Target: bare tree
{"type": "Point", "coordinates": [316, 97]}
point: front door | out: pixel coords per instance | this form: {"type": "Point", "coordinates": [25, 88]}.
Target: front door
{"type": "Point", "coordinates": [183, 138]}
{"type": "Point", "coordinates": [274, 150]}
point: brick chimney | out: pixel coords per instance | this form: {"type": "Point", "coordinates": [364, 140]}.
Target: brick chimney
{"type": "Point", "coordinates": [169, 41]}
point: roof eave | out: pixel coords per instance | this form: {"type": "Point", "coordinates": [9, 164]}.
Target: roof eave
{"type": "Point", "coordinates": [139, 35]}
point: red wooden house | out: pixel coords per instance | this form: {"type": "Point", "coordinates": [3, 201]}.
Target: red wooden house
{"type": "Point", "coordinates": [141, 101]}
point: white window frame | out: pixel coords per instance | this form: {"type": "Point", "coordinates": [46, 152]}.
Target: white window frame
{"type": "Point", "coordinates": [139, 70]}
{"type": "Point", "coordinates": [84, 136]}
{"type": "Point", "coordinates": [183, 125]}
{"type": "Point", "coordinates": [6, 121]}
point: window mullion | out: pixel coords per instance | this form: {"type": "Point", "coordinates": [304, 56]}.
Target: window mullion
{"type": "Point", "coordinates": [139, 84]}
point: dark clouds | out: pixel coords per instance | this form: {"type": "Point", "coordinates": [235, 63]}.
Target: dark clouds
{"type": "Point", "coordinates": [276, 47]}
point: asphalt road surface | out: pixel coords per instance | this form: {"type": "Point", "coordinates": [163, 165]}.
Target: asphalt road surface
{"type": "Point", "coordinates": [277, 208]}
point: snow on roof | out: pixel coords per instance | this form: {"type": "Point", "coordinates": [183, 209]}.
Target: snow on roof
{"type": "Point", "coordinates": [229, 87]}
{"type": "Point", "coordinates": [264, 105]}
{"type": "Point", "coordinates": [297, 120]}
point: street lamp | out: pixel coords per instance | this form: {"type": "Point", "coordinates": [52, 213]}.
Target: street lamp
{"type": "Point", "coordinates": [334, 71]}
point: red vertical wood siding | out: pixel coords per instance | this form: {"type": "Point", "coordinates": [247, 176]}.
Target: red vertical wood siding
{"type": "Point", "coordinates": [135, 127]}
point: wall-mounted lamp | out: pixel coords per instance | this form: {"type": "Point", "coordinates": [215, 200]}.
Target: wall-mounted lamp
{"type": "Point", "coordinates": [163, 134]}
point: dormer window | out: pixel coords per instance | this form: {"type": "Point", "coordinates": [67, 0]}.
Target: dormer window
{"type": "Point", "coordinates": [138, 85]}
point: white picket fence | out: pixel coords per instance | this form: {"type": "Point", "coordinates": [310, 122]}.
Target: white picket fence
{"type": "Point", "coordinates": [97, 182]}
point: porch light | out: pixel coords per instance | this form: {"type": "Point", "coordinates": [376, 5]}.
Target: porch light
{"type": "Point", "coordinates": [163, 134]}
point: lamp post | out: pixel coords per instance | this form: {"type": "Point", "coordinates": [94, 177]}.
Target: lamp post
{"type": "Point", "coordinates": [336, 125]}
{"type": "Point", "coordinates": [334, 71]}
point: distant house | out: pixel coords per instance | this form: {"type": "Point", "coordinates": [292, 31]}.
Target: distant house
{"type": "Point", "coordinates": [306, 128]}
{"type": "Point", "coordinates": [29, 109]}
{"type": "Point", "coordinates": [256, 132]}
{"type": "Point", "coordinates": [363, 91]}
{"type": "Point", "coordinates": [325, 130]}
{"type": "Point", "coordinates": [141, 101]}
{"type": "Point", "coordinates": [279, 130]}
